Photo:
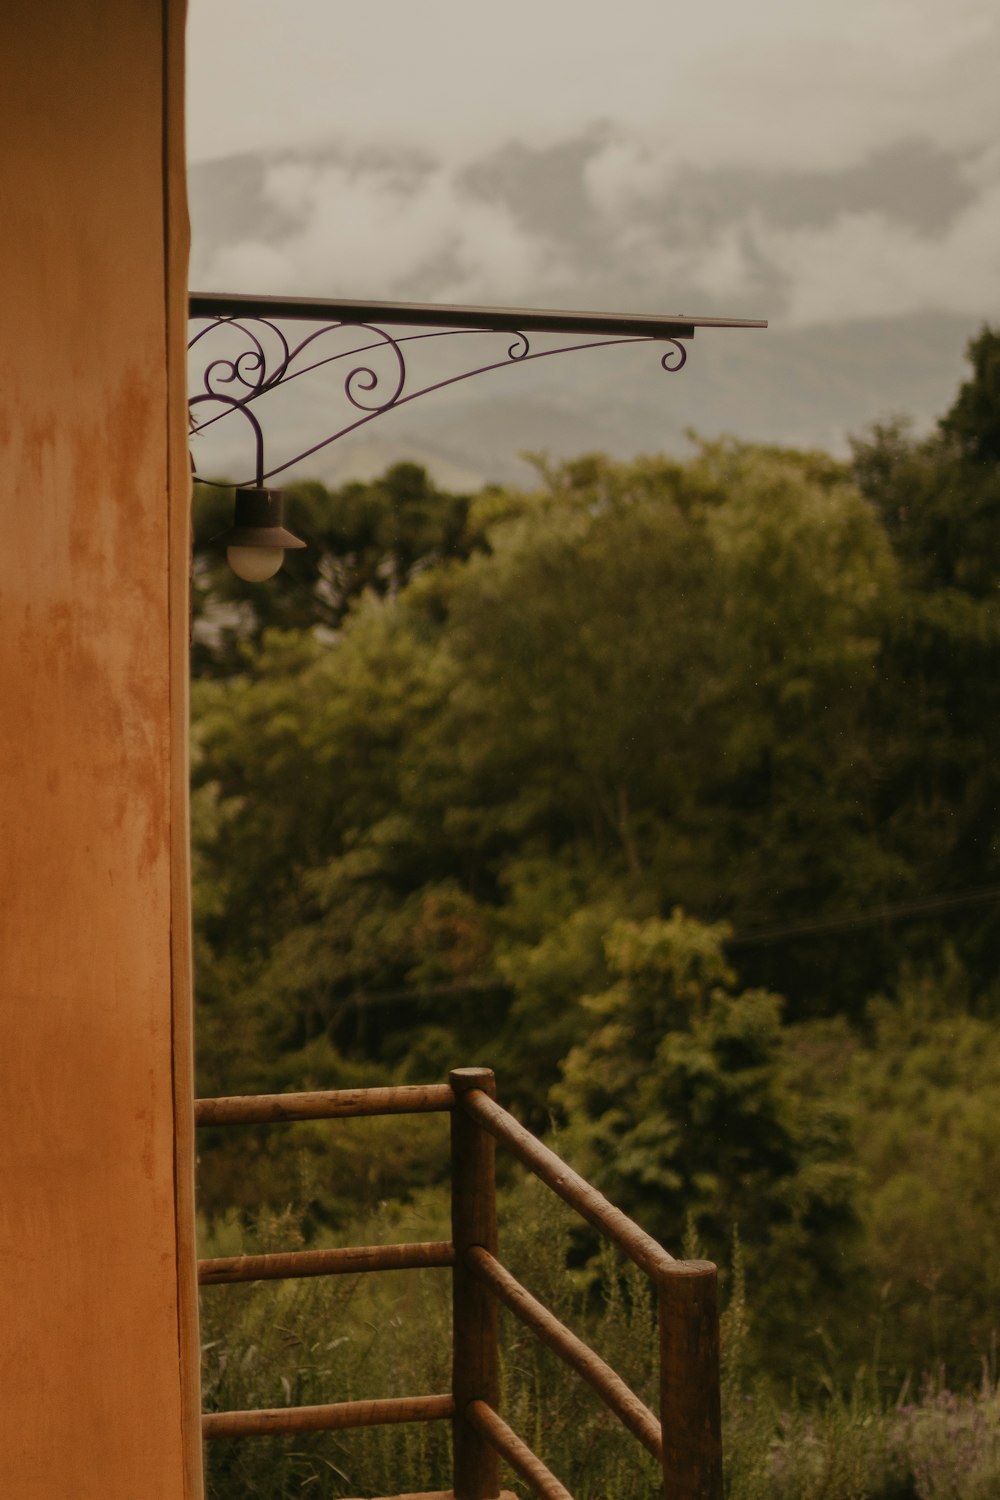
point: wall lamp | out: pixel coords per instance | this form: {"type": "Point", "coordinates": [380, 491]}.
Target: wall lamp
{"type": "Point", "coordinates": [245, 354]}
{"type": "Point", "coordinates": [258, 539]}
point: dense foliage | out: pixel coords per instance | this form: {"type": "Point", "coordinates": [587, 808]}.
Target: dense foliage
{"type": "Point", "coordinates": [667, 789]}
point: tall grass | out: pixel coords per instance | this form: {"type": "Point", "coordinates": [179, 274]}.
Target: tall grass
{"type": "Point", "coordinates": [345, 1338]}
{"type": "Point", "coordinates": [323, 1339]}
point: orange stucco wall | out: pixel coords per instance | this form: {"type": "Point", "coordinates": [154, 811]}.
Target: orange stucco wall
{"type": "Point", "coordinates": [98, 1335]}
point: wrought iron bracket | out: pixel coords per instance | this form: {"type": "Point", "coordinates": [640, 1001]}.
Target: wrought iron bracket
{"type": "Point", "coordinates": [242, 352]}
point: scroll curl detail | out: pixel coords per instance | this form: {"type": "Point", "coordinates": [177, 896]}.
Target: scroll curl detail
{"type": "Point", "coordinates": [675, 357]}
{"type": "Point", "coordinates": [365, 377]}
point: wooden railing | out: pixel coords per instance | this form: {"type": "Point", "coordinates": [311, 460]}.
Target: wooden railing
{"type": "Point", "coordinates": [685, 1437]}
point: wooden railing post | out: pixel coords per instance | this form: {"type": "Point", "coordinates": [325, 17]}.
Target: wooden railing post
{"type": "Point", "coordinates": [475, 1372]}
{"type": "Point", "coordinates": [689, 1381]}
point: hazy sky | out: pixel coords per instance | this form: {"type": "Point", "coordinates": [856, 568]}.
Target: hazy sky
{"type": "Point", "coordinates": [775, 82]}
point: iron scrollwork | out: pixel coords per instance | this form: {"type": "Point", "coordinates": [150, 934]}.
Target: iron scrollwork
{"type": "Point", "coordinates": [248, 356]}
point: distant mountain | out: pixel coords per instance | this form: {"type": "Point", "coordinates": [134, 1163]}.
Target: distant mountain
{"type": "Point", "coordinates": [874, 277]}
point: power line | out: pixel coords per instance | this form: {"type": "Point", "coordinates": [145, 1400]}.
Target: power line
{"type": "Point", "coordinates": [922, 906]}
{"type": "Point", "coordinates": [466, 989]}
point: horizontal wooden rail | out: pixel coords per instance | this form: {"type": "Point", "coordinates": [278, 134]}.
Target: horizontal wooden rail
{"type": "Point", "coordinates": [345, 1262]}
{"type": "Point", "coordinates": [626, 1405]}
{"type": "Point", "coordinates": [425, 1495]}
{"type": "Point", "coordinates": [330, 1104]}
{"type": "Point", "coordinates": [588, 1202]}
{"type": "Point", "coordinates": [344, 1414]}
{"type": "Point", "coordinates": [517, 1453]}
{"type": "Point", "coordinates": [444, 1495]}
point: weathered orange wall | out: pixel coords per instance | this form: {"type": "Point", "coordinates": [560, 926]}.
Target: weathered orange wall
{"type": "Point", "coordinates": [98, 1335]}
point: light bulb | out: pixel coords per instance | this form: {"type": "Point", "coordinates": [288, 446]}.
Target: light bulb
{"type": "Point", "coordinates": [254, 564]}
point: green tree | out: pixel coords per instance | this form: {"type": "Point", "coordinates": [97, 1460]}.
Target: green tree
{"type": "Point", "coordinates": [973, 422]}
{"type": "Point", "coordinates": [677, 1105]}
{"type": "Point", "coordinates": [939, 702]}
{"type": "Point", "coordinates": [925, 1092]}
{"type": "Point", "coordinates": [362, 537]}
{"type": "Point", "coordinates": [431, 817]}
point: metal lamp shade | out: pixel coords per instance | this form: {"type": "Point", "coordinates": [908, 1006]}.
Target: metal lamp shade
{"type": "Point", "coordinates": [258, 521]}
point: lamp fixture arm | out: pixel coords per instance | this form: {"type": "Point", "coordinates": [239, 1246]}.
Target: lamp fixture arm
{"type": "Point", "coordinates": [245, 354]}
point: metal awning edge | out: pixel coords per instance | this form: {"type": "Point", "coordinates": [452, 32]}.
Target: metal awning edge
{"type": "Point", "coordinates": [452, 315]}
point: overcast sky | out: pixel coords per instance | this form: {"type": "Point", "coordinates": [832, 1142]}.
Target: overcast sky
{"type": "Point", "coordinates": [822, 166]}
{"type": "Point", "coordinates": [766, 82]}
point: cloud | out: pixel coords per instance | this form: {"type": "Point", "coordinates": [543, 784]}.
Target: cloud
{"type": "Point", "coordinates": [606, 220]}
{"type": "Point", "coordinates": [863, 266]}
{"type": "Point", "coordinates": [371, 232]}
{"type": "Point", "coordinates": [908, 230]}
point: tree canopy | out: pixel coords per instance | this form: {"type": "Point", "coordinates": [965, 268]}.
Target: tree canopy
{"type": "Point", "coordinates": [659, 787]}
